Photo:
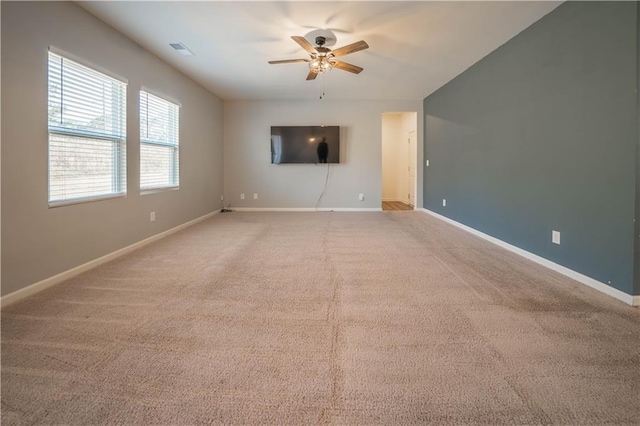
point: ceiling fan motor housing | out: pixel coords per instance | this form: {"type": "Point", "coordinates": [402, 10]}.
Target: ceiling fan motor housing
{"type": "Point", "coordinates": [320, 41]}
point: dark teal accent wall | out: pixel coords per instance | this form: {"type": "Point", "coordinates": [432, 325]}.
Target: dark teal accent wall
{"type": "Point", "coordinates": [542, 135]}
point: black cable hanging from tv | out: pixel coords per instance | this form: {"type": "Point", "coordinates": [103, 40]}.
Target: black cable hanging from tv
{"type": "Point", "coordinates": [326, 184]}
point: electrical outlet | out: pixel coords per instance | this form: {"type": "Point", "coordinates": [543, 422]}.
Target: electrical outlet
{"type": "Point", "coordinates": [222, 198]}
{"type": "Point", "coordinates": [361, 197]}
{"type": "Point", "coordinates": [152, 217]}
{"type": "Point", "coordinates": [255, 195]}
{"type": "Point", "coordinates": [444, 203]}
{"type": "Point", "coordinates": [242, 196]}
{"type": "Point", "coordinates": [555, 237]}
{"type": "Point", "coordinates": [427, 163]}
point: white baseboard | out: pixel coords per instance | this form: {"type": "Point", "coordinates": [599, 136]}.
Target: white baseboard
{"type": "Point", "coordinates": [305, 209]}
{"type": "Point", "coordinates": [597, 285]}
{"type": "Point", "coordinates": [56, 279]}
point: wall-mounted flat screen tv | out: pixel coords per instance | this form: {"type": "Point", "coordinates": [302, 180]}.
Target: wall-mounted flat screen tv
{"type": "Point", "coordinates": [305, 144]}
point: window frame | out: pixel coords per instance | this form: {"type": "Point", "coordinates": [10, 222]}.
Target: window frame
{"type": "Point", "coordinates": [118, 138]}
{"type": "Point", "coordinates": [174, 171]}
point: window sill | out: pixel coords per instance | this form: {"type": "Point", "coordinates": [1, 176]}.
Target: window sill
{"type": "Point", "coordinates": [62, 203]}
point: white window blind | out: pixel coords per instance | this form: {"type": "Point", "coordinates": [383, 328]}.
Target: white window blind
{"type": "Point", "coordinates": [87, 133]}
{"type": "Point", "coordinates": [159, 142]}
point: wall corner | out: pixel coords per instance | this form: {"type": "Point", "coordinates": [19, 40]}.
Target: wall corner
{"type": "Point", "coordinates": [636, 268]}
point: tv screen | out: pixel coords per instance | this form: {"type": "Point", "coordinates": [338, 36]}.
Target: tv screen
{"type": "Point", "coordinates": [305, 144]}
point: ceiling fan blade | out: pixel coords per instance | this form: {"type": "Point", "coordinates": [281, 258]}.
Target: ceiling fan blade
{"type": "Point", "coordinates": [347, 67]}
{"type": "Point", "coordinates": [304, 44]}
{"type": "Point", "coordinates": [350, 48]}
{"type": "Point", "coordinates": [312, 75]}
{"type": "Point", "coordinates": [288, 61]}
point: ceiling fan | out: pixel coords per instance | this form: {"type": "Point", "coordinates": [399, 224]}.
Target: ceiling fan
{"type": "Point", "coordinates": [323, 59]}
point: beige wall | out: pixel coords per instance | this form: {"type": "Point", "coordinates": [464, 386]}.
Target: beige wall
{"type": "Point", "coordinates": [39, 242]}
{"type": "Point", "coordinates": [248, 165]}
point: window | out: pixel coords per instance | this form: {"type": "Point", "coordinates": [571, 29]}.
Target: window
{"type": "Point", "coordinates": [87, 133]}
{"type": "Point", "coordinates": [159, 141]}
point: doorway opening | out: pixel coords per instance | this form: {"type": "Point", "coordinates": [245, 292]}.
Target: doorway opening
{"type": "Point", "coordinates": [399, 160]}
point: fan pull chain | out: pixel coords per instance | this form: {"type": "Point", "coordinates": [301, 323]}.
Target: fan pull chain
{"type": "Point", "coordinates": [322, 76]}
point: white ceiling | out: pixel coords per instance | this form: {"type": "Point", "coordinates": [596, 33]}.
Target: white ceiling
{"type": "Point", "coordinates": [415, 47]}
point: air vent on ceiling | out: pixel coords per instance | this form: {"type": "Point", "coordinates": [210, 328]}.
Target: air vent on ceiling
{"type": "Point", "coordinates": [182, 49]}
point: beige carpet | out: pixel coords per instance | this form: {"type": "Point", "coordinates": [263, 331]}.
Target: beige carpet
{"type": "Point", "coordinates": [313, 318]}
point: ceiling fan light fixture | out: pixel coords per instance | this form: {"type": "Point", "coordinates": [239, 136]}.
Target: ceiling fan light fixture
{"type": "Point", "coordinates": [320, 64]}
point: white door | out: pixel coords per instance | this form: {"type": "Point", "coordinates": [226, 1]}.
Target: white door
{"type": "Point", "coordinates": [412, 168]}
